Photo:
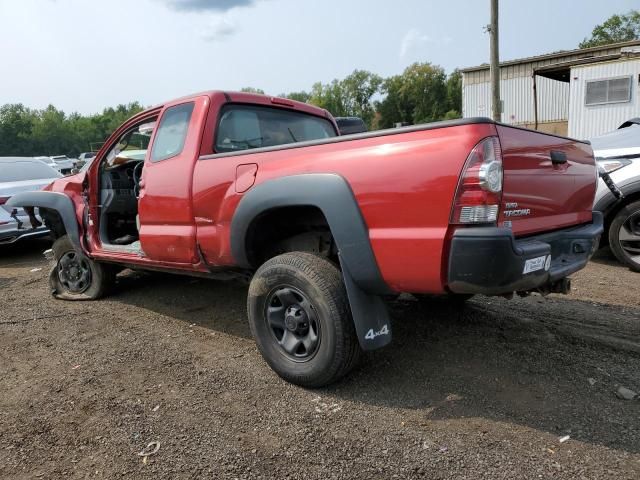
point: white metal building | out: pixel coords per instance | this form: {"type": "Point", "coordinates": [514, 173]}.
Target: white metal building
{"type": "Point", "coordinates": [580, 93]}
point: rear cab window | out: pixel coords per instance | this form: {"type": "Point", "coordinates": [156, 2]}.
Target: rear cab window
{"type": "Point", "coordinates": [243, 127]}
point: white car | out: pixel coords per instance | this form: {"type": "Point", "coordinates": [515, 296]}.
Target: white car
{"type": "Point", "coordinates": [618, 153]}
{"type": "Point", "coordinates": [83, 158]}
{"type": "Point", "coordinates": [21, 174]}
{"type": "Point", "coordinates": [50, 162]}
{"type": "Point", "coordinates": [64, 163]}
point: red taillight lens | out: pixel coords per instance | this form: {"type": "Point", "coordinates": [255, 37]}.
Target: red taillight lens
{"type": "Point", "coordinates": [3, 200]}
{"type": "Point", "coordinates": [480, 187]}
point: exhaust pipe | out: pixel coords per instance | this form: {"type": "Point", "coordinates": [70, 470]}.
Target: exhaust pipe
{"type": "Point", "coordinates": [561, 286]}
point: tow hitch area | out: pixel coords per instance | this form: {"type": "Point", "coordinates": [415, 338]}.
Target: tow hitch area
{"type": "Point", "coordinates": [561, 286]}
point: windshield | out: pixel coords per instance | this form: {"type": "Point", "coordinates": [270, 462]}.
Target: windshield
{"type": "Point", "coordinates": [26, 170]}
{"type": "Point", "coordinates": [46, 160]}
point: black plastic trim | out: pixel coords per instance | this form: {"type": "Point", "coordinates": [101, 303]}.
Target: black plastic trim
{"type": "Point", "coordinates": [491, 261]}
{"type": "Point", "coordinates": [54, 201]}
{"type": "Point", "coordinates": [607, 203]}
{"type": "Point", "coordinates": [333, 196]}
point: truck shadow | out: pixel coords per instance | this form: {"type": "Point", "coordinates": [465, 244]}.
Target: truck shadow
{"type": "Point", "coordinates": [216, 305]}
{"type": "Point", "coordinates": [552, 365]}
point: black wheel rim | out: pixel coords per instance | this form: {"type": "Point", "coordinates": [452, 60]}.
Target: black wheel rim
{"type": "Point", "coordinates": [293, 323]}
{"type": "Point", "coordinates": [629, 237]}
{"type": "Point", "coordinates": [74, 272]}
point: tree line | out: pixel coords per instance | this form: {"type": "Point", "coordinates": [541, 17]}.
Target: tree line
{"type": "Point", "coordinates": [422, 93]}
{"type": "Point", "coordinates": [31, 132]}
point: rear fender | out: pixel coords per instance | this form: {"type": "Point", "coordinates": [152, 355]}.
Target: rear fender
{"type": "Point", "coordinates": [54, 201]}
{"type": "Point", "coordinates": [332, 195]}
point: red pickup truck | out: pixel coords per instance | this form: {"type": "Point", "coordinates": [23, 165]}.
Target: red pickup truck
{"type": "Point", "coordinates": [325, 226]}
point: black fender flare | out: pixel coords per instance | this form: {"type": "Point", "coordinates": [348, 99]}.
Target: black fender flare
{"type": "Point", "coordinates": [54, 201]}
{"type": "Point", "coordinates": [609, 205]}
{"type": "Point", "coordinates": [333, 196]}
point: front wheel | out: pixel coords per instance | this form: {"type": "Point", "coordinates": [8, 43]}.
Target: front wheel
{"type": "Point", "coordinates": [299, 316]}
{"type": "Point", "coordinates": [624, 236]}
{"type": "Point", "coordinates": [75, 276]}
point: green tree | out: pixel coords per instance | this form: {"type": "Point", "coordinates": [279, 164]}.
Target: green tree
{"type": "Point", "coordinates": [301, 96]}
{"type": "Point", "coordinates": [329, 96]}
{"type": "Point", "coordinates": [16, 124]}
{"type": "Point", "coordinates": [454, 95]}
{"type": "Point", "coordinates": [418, 95]}
{"type": "Point", "coordinates": [351, 96]}
{"type": "Point", "coordinates": [358, 89]}
{"type": "Point", "coordinates": [252, 90]}
{"type": "Point", "coordinates": [50, 131]}
{"type": "Point", "coordinates": [617, 28]}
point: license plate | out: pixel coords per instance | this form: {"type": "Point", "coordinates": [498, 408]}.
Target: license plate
{"type": "Point", "coordinates": [534, 264]}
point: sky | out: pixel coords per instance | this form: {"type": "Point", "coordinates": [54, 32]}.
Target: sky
{"type": "Point", "coordinates": [85, 55]}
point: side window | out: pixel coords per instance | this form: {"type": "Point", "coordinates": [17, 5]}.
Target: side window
{"type": "Point", "coordinates": [172, 132]}
{"type": "Point", "coordinates": [242, 127]}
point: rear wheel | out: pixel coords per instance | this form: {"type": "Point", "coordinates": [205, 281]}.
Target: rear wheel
{"type": "Point", "coordinates": [77, 277]}
{"type": "Point", "coordinates": [624, 236]}
{"type": "Point", "coordinates": [299, 316]}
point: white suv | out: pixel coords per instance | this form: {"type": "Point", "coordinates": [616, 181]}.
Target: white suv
{"type": "Point", "coordinates": [618, 153]}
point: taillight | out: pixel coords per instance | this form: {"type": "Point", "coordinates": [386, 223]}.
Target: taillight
{"type": "Point", "coordinates": [480, 186]}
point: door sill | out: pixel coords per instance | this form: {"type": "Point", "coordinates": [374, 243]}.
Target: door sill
{"type": "Point", "coordinates": [131, 248]}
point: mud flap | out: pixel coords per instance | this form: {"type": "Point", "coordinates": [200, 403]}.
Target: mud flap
{"type": "Point", "coordinates": [369, 312]}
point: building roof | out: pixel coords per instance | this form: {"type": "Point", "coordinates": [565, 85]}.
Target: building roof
{"type": "Point", "coordinates": [560, 57]}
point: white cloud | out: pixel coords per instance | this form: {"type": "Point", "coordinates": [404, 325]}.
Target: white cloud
{"type": "Point", "coordinates": [218, 29]}
{"type": "Point", "coordinates": [413, 39]}
{"type": "Point", "coordinates": [208, 5]}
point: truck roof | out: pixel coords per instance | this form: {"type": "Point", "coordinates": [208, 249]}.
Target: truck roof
{"type": "Point", "coordinates": [253, 98]}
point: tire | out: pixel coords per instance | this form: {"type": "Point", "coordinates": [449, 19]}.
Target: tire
{"type": "Point", "coordinates": [77, 277]}
{"type": "Point", "coordinates": [624, 243]}
{"type": "Point", "coordinates": [300, 319]}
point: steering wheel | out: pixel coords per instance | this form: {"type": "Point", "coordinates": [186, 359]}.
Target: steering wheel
{"type": "Point", "coordinates": [137, 176]}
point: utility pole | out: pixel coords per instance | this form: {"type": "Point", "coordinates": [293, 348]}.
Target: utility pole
{"type": "Point", "coordinates": [495, 62]}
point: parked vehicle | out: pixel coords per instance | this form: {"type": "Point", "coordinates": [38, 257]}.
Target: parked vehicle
{"type": "Point", "coordinates": [250, 186]}
{"type": "Point", "coordinates": [18, 175]}
{"type": "Point", "coordinates": [83, 158]}
{"type": "Point", "coordinates": [618, 153]}
{"type": "Point", "coordinates": [50, 162]}
{"type": "Point", "coordinates": [350, 125]}
{"type": "Point", "coordinates": [64, 163]}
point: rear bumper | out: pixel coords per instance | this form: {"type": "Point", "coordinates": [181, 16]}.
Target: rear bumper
{"type": "Point", "coordinates": [491, 261]}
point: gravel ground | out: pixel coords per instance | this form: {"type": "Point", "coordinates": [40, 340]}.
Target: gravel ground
{"type": "Point", "coordinates": [482, 392]}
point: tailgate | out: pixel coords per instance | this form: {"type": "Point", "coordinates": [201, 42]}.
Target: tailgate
{"type": "Point", "coordinates": [549, 181]}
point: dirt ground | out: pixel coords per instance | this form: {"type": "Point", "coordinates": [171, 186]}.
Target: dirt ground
{"type": "Point", "coordinates": [482, 392]}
